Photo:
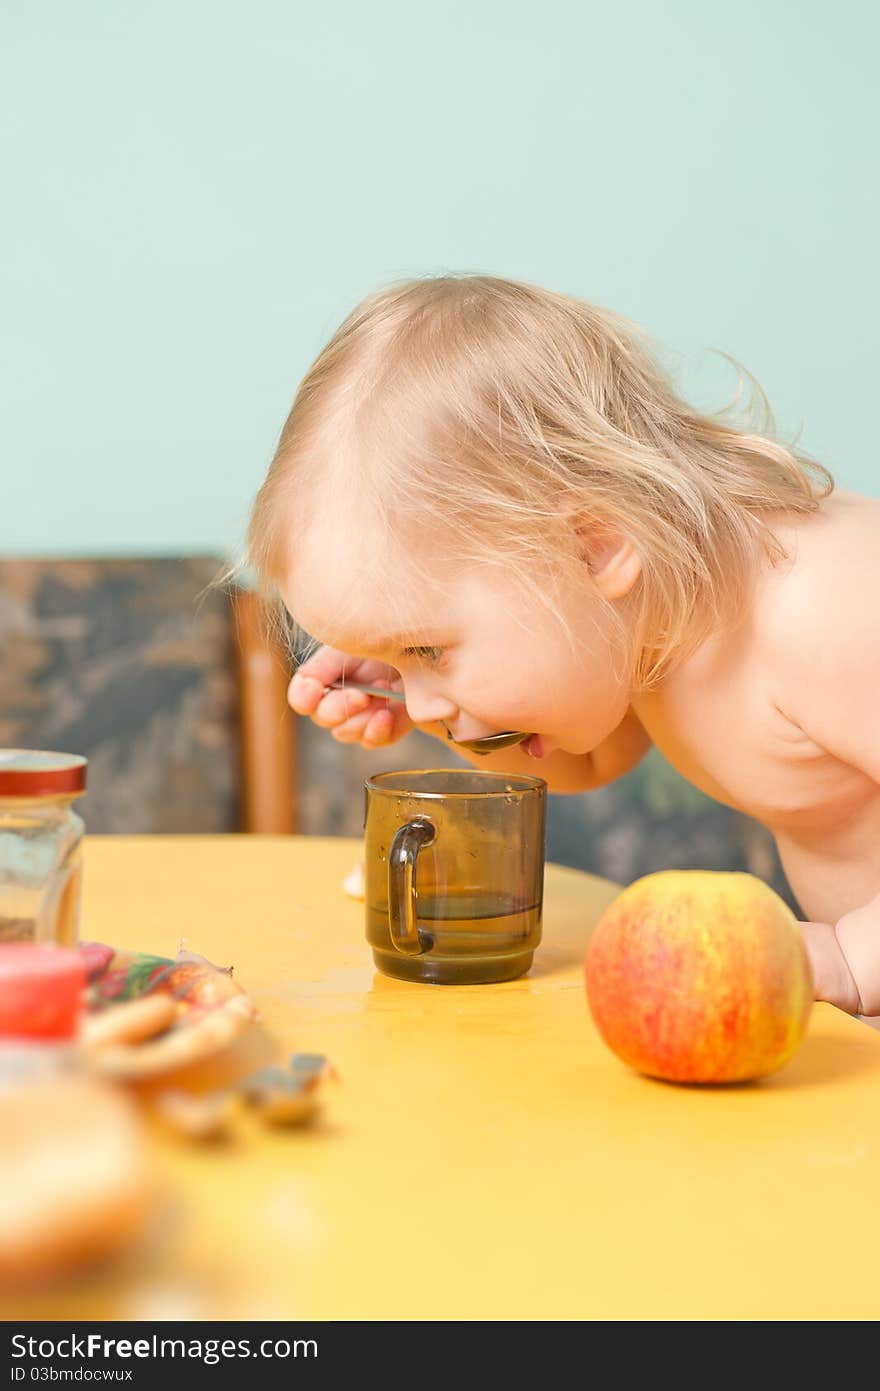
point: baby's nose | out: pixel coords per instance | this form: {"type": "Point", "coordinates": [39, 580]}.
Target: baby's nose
{"type": "Point", "coordinates": [424, 707]}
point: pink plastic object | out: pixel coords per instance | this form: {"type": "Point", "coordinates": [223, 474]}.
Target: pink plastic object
{"type": "Point", "coordinates": [41, 991]}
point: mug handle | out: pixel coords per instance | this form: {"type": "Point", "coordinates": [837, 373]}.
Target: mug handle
{"type": "Point", "coordinates": [402, 921]}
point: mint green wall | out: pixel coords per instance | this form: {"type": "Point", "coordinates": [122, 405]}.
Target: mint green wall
{"type": "Point", "coordinates": [196, 191]}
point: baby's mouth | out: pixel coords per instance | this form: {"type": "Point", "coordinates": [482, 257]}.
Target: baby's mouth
{"type": "Point", "coordinates": [488, 743]}
{"type": "Point", "coordinates": [535, 745]}
{"type": "Point", "coordinates": [540, 746]}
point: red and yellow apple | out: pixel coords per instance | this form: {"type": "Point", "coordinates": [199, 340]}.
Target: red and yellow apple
{"type": "Point", "coordinates": [698, 976]}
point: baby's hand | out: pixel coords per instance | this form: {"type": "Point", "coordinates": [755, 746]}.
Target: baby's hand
{"type": "Point", "coordinates": [351, 716]}
{"type": "Point", "coordinates": [832, 978]}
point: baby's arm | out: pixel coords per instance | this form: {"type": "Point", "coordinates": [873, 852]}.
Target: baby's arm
{"type": "Point", "coordinates": [846, 959]}
{"type": "Point", "coordinates": [828, 675]}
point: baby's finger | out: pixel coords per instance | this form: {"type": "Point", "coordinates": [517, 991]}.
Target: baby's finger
{"type": "Point", "coordinates": [338, 706]}
{"type": "Point", "coordinates": [304, 694]}
{"type": "Point", "coordinates": [313, 676]}
{"type": "Point", "coordinates": [380, 724]}
{"type": "Point", "coordinates": [350, 731]}
{"type": "Point", "coordinates": [379, 729]}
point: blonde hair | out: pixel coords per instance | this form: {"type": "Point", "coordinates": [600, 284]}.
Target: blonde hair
{"type": "Point", "coordinates": [493, 413]}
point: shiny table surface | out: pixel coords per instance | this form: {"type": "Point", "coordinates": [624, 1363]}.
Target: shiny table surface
{"type": "Point", "coordinates": [482, 1154]}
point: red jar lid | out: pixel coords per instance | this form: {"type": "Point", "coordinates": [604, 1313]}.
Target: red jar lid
{"type": "Point", "coordinates": [36, 773]}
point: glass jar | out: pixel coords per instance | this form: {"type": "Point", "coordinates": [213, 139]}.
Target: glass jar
{"type": "Point", "coordinates": [40, 846]}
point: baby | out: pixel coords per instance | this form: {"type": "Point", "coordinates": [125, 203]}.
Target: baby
{"type": "Point", "coordinates": [491, 497]}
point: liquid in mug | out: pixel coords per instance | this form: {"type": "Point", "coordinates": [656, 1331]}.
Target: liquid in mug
{"type": "Point", "coordinates": [465, 927]}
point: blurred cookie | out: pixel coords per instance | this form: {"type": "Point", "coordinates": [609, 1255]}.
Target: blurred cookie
{"type": "Point", "coordinates": [74, 1183]}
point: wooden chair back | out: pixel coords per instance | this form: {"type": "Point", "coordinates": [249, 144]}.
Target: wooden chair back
{"type": "Point", "coordinates": [168, 685]}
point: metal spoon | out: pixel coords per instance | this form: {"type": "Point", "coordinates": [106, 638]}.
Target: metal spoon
{"type": "Point", "coordinates": [490, 743]}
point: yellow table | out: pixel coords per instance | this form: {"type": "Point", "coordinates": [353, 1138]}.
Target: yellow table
{"type": "Point", "coordinates": [483, 1155]}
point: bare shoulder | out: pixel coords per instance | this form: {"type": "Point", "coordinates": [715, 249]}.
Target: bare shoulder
{"type": "Point", "coordinates": [823, 597]}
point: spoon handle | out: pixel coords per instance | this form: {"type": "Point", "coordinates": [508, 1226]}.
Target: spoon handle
{"type": "Point", "coordinates": [367, 690]}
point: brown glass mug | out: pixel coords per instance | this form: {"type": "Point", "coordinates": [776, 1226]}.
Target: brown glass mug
{"type": "Point", "coordinates": [454, 874]}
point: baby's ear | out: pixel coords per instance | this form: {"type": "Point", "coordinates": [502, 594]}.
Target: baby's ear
{"type": "Point", "coordinates": [609, 555]}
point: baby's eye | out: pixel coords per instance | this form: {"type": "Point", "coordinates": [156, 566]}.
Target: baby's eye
{"type": "Point", "coordinates": [424, 654]}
